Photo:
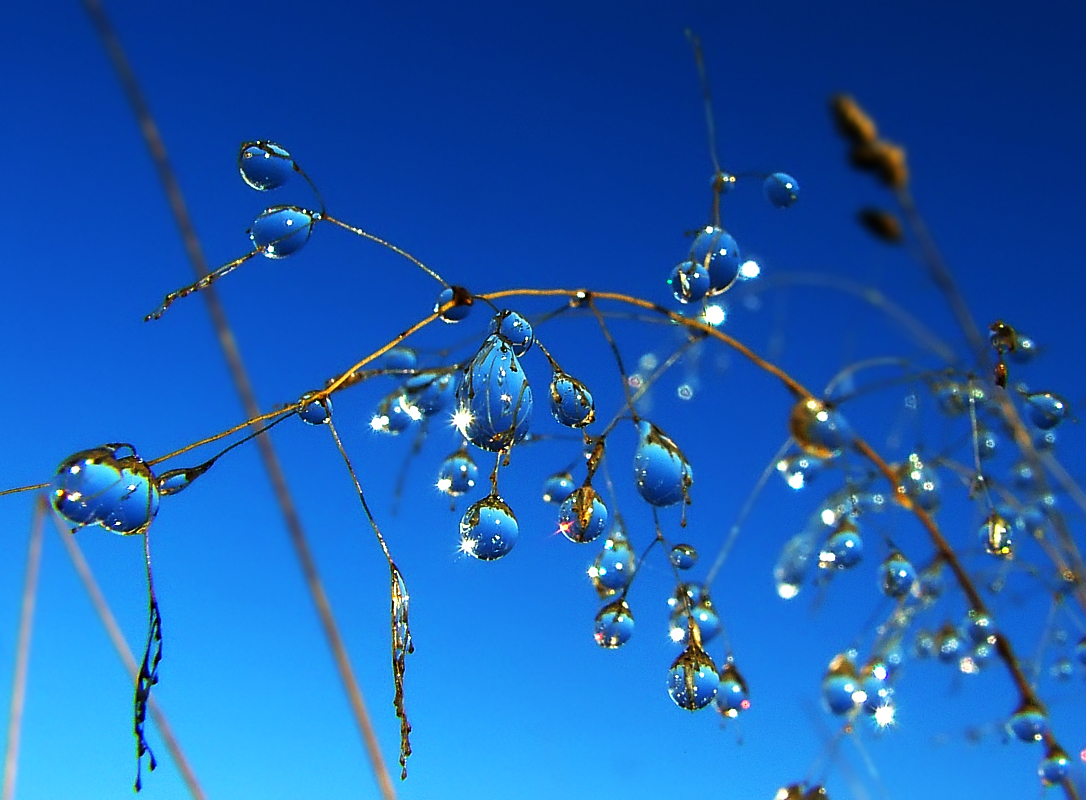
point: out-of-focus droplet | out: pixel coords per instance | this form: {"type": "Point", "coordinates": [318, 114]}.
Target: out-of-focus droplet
{"type": "Point", "coordinates": [948, 644]}
{"type": "Point", "coordinates": [920, 482]}
{"type": "Point", "coordinates": [571, 402]}
{"type": "Point", "coordinates": [176, 480]}
{"type": "Point", "coordinates": [1080, 651]}
{"type": "Point", "coordinates": [799, 469]}
{"type": "Point", "coordinates": [558, 487]}
{"type": "Point", "coordinates": [1055, 767]}
{"type": "Point", "coordinates": [457, 474]}
{"type": "Point", "coordinates": [280, 231]}
{"type": "Point", "coordinates": [817, 428]}
{"type": "Point", "coordinates": [453, 304]}
{"type": "Point", "coordinates": [661, 472]}
{"type": "Point", "coordinates": [394, 415]}
{"type": "Point", "coordinates": [109, 486]}
{"type": "Point", "coordinates": [688, 595]}
{"type": "Point", "coordinates": [996, 535]}
{"type": "Point", "coordinates": [1062, 669]}
{"type": "Point", "coordinates": [924, 644]}
{"type": "Point", "coordinates": [693, 679]}
{"type": "Point", "coordinates": [732, 696]}
{"type": "Point", "coordinates": [793, 791]}
{"type": "Point", "coordinates": [1025, 479]}
{"type": "Point", "coordinates": [840, 685]}
{"type": "Point", "coordinates": [488, 529]}
{"type": "Point", "coordinates": [1046, 410]}
{"type": "Point", "coordinates": [614, 625]}
{"type": "Point", "coordinates": [780, 189]}
{"type": "Point", "coordinates": [494, 398]}
{"type": "Point", "coordinates": [1028, 723]}
{"type": "Point", "coordinates": [723, 182]}
{"type": "Point", "coordinates": [431, 391]}
{"type": "Point", "coordinates": [1025, 349]}
{"type": "Point", "coordinates": [316, 412]}
{"type": "Point", "coordinates": [689, 282]}
{"type": "Point", "coordinates": [683, 556]}
{"type": "Point", "coordinates": [705, 617]}
{"type": "Point", "coordinates": [896, 575]}
{"type": "Point", "coordinates": [929, 585]}
{"type": "Point", "coordinates": [1044, 441]}
{"type": "Point", "coordinates": [843, 549]}
{"type": "Point", "coordinates": [874, 683]}
{"type": "Point", "coordinates": [979, 627]}
{"type": "Point", "coordinates": [583, 516]}
{"type": "Point", "coordinates": [514, 329]}
{"type": "Point", "coordinates": [264, 165]}
{"type": "Point", "coordinates": [716, 251]}
{"type": "Point", "coordinates": [791, 567]}
{"type": "Point", "coordinates": [399, 359]}
{"type": "Point", "coordinates": [614, 567]}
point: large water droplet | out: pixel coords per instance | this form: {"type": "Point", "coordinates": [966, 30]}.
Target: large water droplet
{"type": "Point", "coordinates": [693, 679]}
{"type": "Point", "coordinates": [453, 304]}
{"type": "Point", "coordinates": [716, 251]}
{"type": "Point", "coordinates": [995, 533]}
{"type": "Point", "coordinates": [431, 391]}
{"type": "Point", "coordinates": [514, 329]}
{"type": "Point", "coordinates": [1028, 723]}
{"type": "Point", "coordinates": [798, 470]}
{"type": "Point", "coordinates": [109, 486]}
{"type": "Point", "coordinates": [843, 549]}
{"type": "Point", "coordinates": [896, 575]}
{"type": "Point", "coordinates": [1046, 410]}
{"type": "Point", "coordinates": [488, 529]}
{"type": "Point", "coordinates": [661, 471]}
{"type": "Point", "coordinates": [318, 412]}
{"type": "Point", "coordinates": [614, 567]}
{"type": "Point", "coordinates": [264, 165]}
{"type": "Point", "coordinates": [571, 402]}
{"type": "Point", "coordinates": [817, 428]}
{"type": "Point", "coordinates": [732, 696]}
{"type": "Point", "coordinates": [583, 516]}
{"type": "Point", "coordinates": [683, 556]}
{"type": "Point", "coordinates": [781, 189]}
{"type": "Point", "coordinates": [558, 487]}
{"type": "Point", "coordinates": [1055, 767]}
{"type": "Point", "coordinates": [281, 231]}
{"type": "Point", "coordinates": [689, 282]}
{"type": "Point", "coordinates": [614, 625]}
{"type": "Point", "coordinates": [840, 685]}
{"type": "Point", "coordinates": [494, 398]}
{"type": "Point", "coordinates": [400, 358]}
{"type": "Point", "coordinates": [457, 474]}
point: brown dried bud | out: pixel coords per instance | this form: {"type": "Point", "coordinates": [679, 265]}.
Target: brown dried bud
{"type": "Point", "coordinates": [852, 121]}
{"type": "Point", "coordinates": [881, 224]}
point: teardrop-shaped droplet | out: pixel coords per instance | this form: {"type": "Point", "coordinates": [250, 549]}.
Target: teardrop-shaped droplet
{"type": "Point", "coordinates": [176, 480]}
{"type": "Point", "coordinates": [995, 533]}
{"type": "Point", "coordinates": [817, 428]}
{"type": "Point", "coordinates": [693, 679]}
{"type": "Point", "coordinates": [683, 556]}
{"type": "Point", "coordinates": [705, 618]}
{"type": "Point", "coordinates": [1025, 349]}
{"type": "Point", "coordinates": [614, 625]}
{"type": "Point", "coordinates": [949, 646]}
{"type": "Point", "coordinates": [689, 282]}
{"type": "Point", "coordinates": [109, 486]}
{"type": "Point", "coordinates": [613, 568]}
{"type": "Point", "coordinates": [1055, 767]}
{"type": "Point", "coordinates": [281, 231]}
{"type": "Point", "coordinates": [840, 685]}
{"type": "Point", "coordinates": [716, 251]}
{"type": "Point", "coordinates": [457, 474]}
{"type": "Point", "coordinates": [843, 549]}
{"type": "Point", "coordinates": [394, 415]}
{"type": "Point", "coordinates": [264, 165]}
{"type": "Point", "coordinates": [732, 696]}
{"type": "Point", "coordinates": [488, 529]}
{"type": "Point", "coordinates": [514, 329]}
{"type": "Point", "coordinates": [1046, 410]}
{"type": "Point", "coordinates": [571, 402]}
{"type": "Point", "coordinates": [781, 189]}
{"type": "Point", "coordinates": [798, 470]}
{"type": "Point", "coordinates": [661, 472]}
{"type": "Point", "coordinates": [920, 482]}
{"type": "Point", "coordinates": [558, 487]}
{"type": "Point", "coordinates": [583, 516]}
{"type": "Point", "coordinates": [791, 567]}
{"type": "Point", "coordinates": [431, 391]}
{"type": "Point", "coordinates": [317, 412]}
{"type": "Point", "coordinates": [399, 359]}
{"type": "Point", "coordinates": [1028, 723]}
{"type": "Point", "coordinates": [453, 304]}
{"type": "Point", "coordinates": [494, 398]}
{"type": "Point", "coordinates": [896, 575]}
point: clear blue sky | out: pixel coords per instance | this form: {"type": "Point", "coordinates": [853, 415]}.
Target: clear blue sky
{"type": "Point", "coordinates": [514, 145]}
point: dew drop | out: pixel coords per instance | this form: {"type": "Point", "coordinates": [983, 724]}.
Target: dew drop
{"type": "Point", "coordinates": [840, 685]}
{"type": "Point", "coordinates": [318, 412]}
{"type": "Point", "coordinates": [1080, 651]}
{"type": "Point", "coordinates": [732, 696]}
{"type": "Point", "coordinates": [693, 680]}
{"type": "Point", "coordinates": [716, 251]}
{"type": "Point", "coordinates": [558, 487]}
{"type": "Point", "coordinates": [919, 482]}
{"type": "Point", "coordinates": [109, 486]}
{"type": "Point", "coordinates": [1025, 349]}
{"type": "Point", "coordinates": [683, 556]}
{"type": "Point", "coordinates": [1046, 410]}
{"type": "Point", "coordinates": [705, 617]}
{"type": "Point", "coordinates": [488, 529]}
{"type": "Point", "coordinates": [514, 329]}
{"type": "Point", "coordinates": [948, 644]}
{"type": "Point", "coordinates": [583, 516]}
{"type": "Point", "coordinates": [614, 625]}
{"type": "Point", "coordinates": [661, 472]}
{"type": "Point", "coordinates": [264, 165]}
{"type": "Point", "coordinates": [1028, 723]}
{"type": "Point", "coordinates": [1055, 767]}
{"type": "Point", "coordinates": [791, 567]}
{"type": "Point", "coordinates": [1062, 669]}
{"type": "Point", "coordinates": [979, 627]}
{"type": "Point", "coordinates": [394, 415]}
{"type": "Point", "coordinates": [613, 568]}
{"type": "Point", "coordinates": [494, 398]}
{"type": "Point", "coordinates": [457, 474]}
{"type": "Point", "coordinates": [453, 304]}
{"type": "Point", "coordinates": [571, 402]}
{"type": "Point", "coordinates": [1044, 441]}
{"type": "Point", "coordinates": [874, 683]}
{"type": "Point", "coordinates": [896, 575]}
{"type": "Point", "coordinates": [281, 231]}
{"type": "Point", "coordinates": [431, 391]}
{"type": "Point", "coordinates": [400, 358]}
{"type": "Point", "coordinates": [843, 549]}
{"type": "Point", "coordinates": [817, 428]}
{"type": "Point", "coordinates": [798, 470]}
{"type": "Point", "coordinates": [689, 282]}
{"type": "Point", "coordinates": [781, 189]}
{"type": "Point", "coordinates": [996, 535]}
{"type": "Point", "coordinates": [723, 182]}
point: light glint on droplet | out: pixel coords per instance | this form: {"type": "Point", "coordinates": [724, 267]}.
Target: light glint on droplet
{"type": "Point", "coordinates": [488, 529]}
{"type": "Point", "coordinates": [749, 270]}
{"type": "Point", "coordinates": [714, 314]}
{"type": "Point", "coordinates": [109, 486]}
{"type": "Point", "coordinates": [280, 231]}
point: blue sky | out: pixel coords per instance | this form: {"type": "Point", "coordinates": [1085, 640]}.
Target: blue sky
{"type": "Point", "coordinates": [543, 145]}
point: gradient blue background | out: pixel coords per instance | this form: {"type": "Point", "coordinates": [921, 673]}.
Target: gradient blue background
{"type": "Point", "coordinates": [553, 145]}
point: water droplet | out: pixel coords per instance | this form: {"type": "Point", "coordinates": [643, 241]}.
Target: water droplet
{"type": "Point", "coordinates": [874, 683]}
{"type": "Point", "coordinates": [394, 415]}
{"type": "Point", "coordinates": [457, 474]}
{"type": "Point", "coordinates": [716, 251]}
{"type": "Point", "coordinates": [175, 480]}
{"type": "Point", "coordinates": [840, 686]}
{"type": "Point", "coordinates": [689, 282]}
{"type": "Point", "coordinates": [488, 529]}
{"type": "Point", "coordinates": [723, 182]}
{"type": "Point", "coordinates": [583, 516]}
{"type": "Point", "coordinates": [1028, 723]}
{"type": "Point", "coordinates": [1046, 410]}
{"type": "Point", "coordinates": [948, 644]}
{"type": "Point", "coordinates": [1063, 669]}
{"type": "Point", "coordinates": [798, 470]}
{"type": "Point", "coordinates": [571, 402]}
{"type": "Point", "coordinates": [924, 646]}
{"type": "Point", "coordinates": [705, 617]}
{"type": "Point", "coordinates": [264, 165]}
{"type": "Point", "coordinates": [514, 329]}
{"type": "Point", "coordinates": [400, 358]}
{"type": "Point", "coordinates": [920, 482]}
{"type": "Point", "coordinates": [614, 567]}
{"type": "Point", "coordinates": [979, 627]}
{"type": "Point", "coordinates": [732, 696]}
{"type": "Point", "coordinates": [558, 487]}
{"type": "Point", "coordinates": [791, 567]}
{"type": "Point", "coordinates": [1080, 651]}
{"type": "Point", "coordinates": [430, 391]}
{"type": "Point", "coordinates": [1043, 441]}
{"type": "Point", "coordinates": [929, 585]}
{"type": "Point", "coordinates": [614, 625]}
{"type": "Point", "coordinates": [453, 304]}
{"type": "Point", "coordinates": [1025, 479]}
{"type": "Point", "coordinates": [683, 556]}
{"type": "Point", "coordinates": [1024, 351]}
{"type": "Point", "coordinates": [661, 471]}
{"type": "Point", "coordinates": [817, 428]}
{"type": "Point", "coordinates": [896, 575]}
{"type": "Point", "coordinates": [109, 486]}
{"type": "Point", "coordinates": [996, 535]}
{"type": "Point", "coordinates": [318, 412]}
{"type": "Point", "coordinates": [693, 679]}
{"type": "Point", "coordinates": [494, 398]}
{"type": "Point", "coordinates": [843, 549]}
{"type": "Point", "coordinates": [281, 231]}
{"type": "Point", "coordinates": [1055, 767]}
{"type": "Point", "coordinates": [781, 189]}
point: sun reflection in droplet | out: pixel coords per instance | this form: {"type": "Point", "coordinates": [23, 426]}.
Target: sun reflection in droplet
{"type": "Point", "coordinates": [714, 315]}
